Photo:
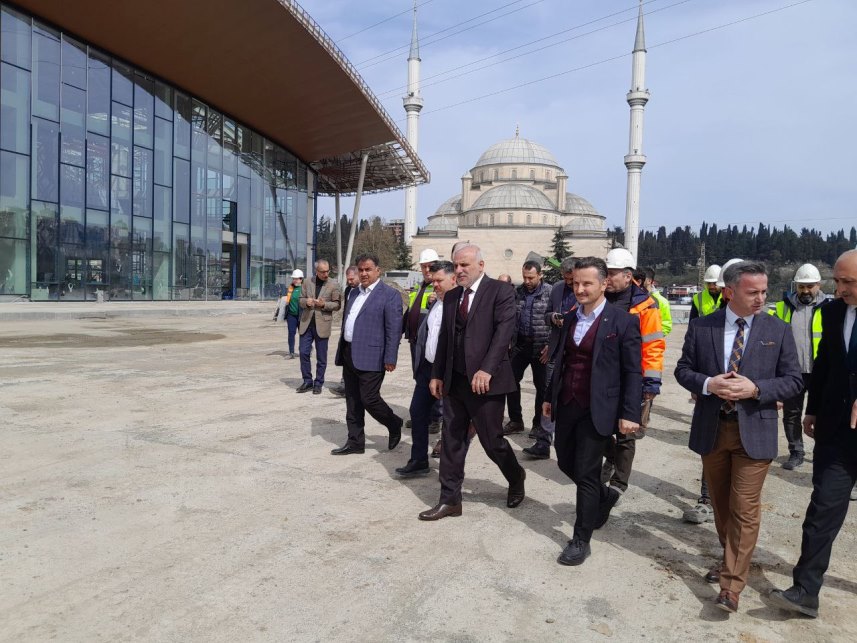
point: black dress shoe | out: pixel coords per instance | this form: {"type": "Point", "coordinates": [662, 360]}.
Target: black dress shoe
{"type": "Point", "coordinates": [395, 436]}
{"type": "Point", "coordinates": [338, 391]}
{"type": "Point", "coordinates": [516, 491]}
{"type": "Point", "coordinates": [441, 511]}
{"type": "Point", "coordinates": [606, 505]}
{"type": "Point", "coordinates": [538, 451]}
{"type": "Point", "coordinates": [413, 469]}
{"type": "Point", "coordinates": [316, 390]}
{"type": "Point", "coordinates": [348, 449]}
{"type": "Point", "coordinates": [513, 427]}
{"type": "Point", "coordinates": [574, 553]}
{"type": "Point", "coordinates": [727, 601]}
{"type": "Point", "coordinates": [303, 388]}
{"type": "Point", "coordinates": [795, 599]}
{"type": "Point", "coordinates": [794, 461]}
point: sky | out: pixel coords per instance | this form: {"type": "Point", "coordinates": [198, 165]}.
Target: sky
{"type": "Point", "coordinates": [748, 123]}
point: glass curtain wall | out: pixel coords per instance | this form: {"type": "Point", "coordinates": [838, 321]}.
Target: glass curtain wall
{"type": "Point", "coordinates": [113, 181]}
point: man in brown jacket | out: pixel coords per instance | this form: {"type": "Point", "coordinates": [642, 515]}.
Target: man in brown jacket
{"type": "Point", "coordinates": [320, 297]}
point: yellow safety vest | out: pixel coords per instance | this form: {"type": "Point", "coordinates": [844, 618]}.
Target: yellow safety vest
{"type": "Point", "coordinates": [784, 312]}
{"type": "Point", "coordinates": [413, 295]}
{"type": "Point", "coordinates": [706, 304]}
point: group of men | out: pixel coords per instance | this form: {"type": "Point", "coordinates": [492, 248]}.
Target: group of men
{"type": "Point", "coordinates": [595, 345]}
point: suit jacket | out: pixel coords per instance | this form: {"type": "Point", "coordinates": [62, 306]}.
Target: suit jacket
{"type": "Point", "coordinates": [377, 329]}
{"type": "Point", "coordinates": [769, 360]}
{"type": "Point", "coordinates": [617, 377]}
{"type": "Point", "coordinates": [830, 391]}
{"type": "Point", "coordinates": [556, 307]}
{"type": "Point", "coordinates": [331, 294]}
{"type": "Point", "coordinates": [422, 338]}
{"type": "Point", "coordinates": [490, 324]}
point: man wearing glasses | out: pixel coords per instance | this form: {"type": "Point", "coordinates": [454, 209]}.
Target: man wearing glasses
{"type": "Point", "coordinates": [320, 297]}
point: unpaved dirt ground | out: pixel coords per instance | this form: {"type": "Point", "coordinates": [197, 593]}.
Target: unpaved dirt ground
{"type": "Point", "coordinates": [161, 480]}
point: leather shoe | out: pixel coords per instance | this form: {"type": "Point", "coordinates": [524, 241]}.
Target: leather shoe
{"type": "Point", "coordinates": [727, 601]}
{"type": "Point", "coordinates": [794, 461]}
{"type": "Point", "coordinates": [338, 391]}
{"type": "Point", "coordinates": [395, 436]}
{"type": "Point", "coordinates": [606, 505]}
{"type": "Point", "coordinates": [538, 451]}
{"type": "Point", "coordinates": [303, 388]}
{"type": "Point", "coordinates": [316, 390]}
{"type": "Point", "coordinates": [574, 553]}
{"type": "Point", "coordinates": [513, 427]}
{"type": "Point", "coordinates": [795, 599]}
{"type": "Point", "coordinates": [413, 468]}
{"type": "Point", "coordinates": [713, 575]}
{"type": "Point", "coordinates": [516, 491]}
{"type": "Point", "coordinates": [440, 510]}
{"type": "Point", "coordinates": [348, 449]}
{"type": "Point", "coordinates": [435, 452]}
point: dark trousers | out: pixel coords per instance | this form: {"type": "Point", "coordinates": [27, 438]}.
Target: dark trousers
{"type": "Point", "coordinates": [436, 413]}
{"type": "Point", "coordinates": [461, 406]}
{"type": "Point", "coordinates": [579, 448]}
{"type": "Point", "coordinates": [292, 323]}
{"type": "Point", "coordinates": [422, 403]}
{"type": "Point", "coordinates": [307, 340]}
{"type": "Point", "coordinates": [620, 451]}
{"type": "Point", "coordinates": [521, 358]}
{"type": "Point", "coordinates": [834, 473]}
{"type": "Point", "coordinates": [793, 419]}
{"type": "Point", "coordinates": [363, 393]}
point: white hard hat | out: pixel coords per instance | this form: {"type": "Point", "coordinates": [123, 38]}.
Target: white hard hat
{"type": "Point", "coordinates": [712, 274]}
{"type": "Point", "coordinates": [297, 274]}
{"type": "Point", "coordinates": [428, 256]}
{"type": "Point", "coordinates": [807, 274]}
{"type": "Point", "coordinates": [619, 258]}
{"type": "Point", "coordinates": [720, 281]}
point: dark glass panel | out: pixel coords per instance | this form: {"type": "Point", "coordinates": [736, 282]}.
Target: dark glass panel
{"type": "Point", "coordinates": [141, 259]}
{"type": "Point", "coordinates": [181, 186]}
{"type": "Point", "coordinates": [73, 264]}
{"type": "Point", "coordinates": [181, 261]}
{"type": "Point", "coordinates": [213, 185]}
{"type": "Point", "coordinates": [198, 177]}
{"type": "Point", "coordinates": [119, 265]}
{"type": "Point", "coordinates": [123, 84]}
{"type": "Point", "coordinates": [15, 40]}
{"type": "Point", "coordinates": [44, 275]}
{"type": "Point", "coordinates": [13, 266]}
{"type": "Point", "coordinates": [298, 244]}
{"type": "Point", "coordinates": [301, 176]}
{"type": "Point", "coordinates": [197, 212]}
{"type": "Point", "coordinates": [243, 204]}
{"type": "Point", "coordinates": [183, 116]}
{"type": "Point", "coordinates": [120, 140]}
{"type": "Point", "coordinates": [46, 73]}
{"type": "Point", "coordinates": [97, 172]}
{"type": "Point", "coordinates": [144, 108]}
{"type": "Point", "coordinates": [215, 138]}
{"type": "Point", "coordinates": [72, 119]}
{"type": "Point", "coordinates": [163, 101]}
{"type": "Point", "coordinates": [230, 147]}
{"type": "Point", "coordinates": [97, 231]}
{"type": "Point", "coordinates": [98, 94]}
{"type": "Point", "coordinates": [73, 63]}
{"type": "Point", "coordinates": [160, 276]}
{"type": "Point", "coordinates": [45, 160]}
{"type": "Point", "coordinates": [97, 252]}
{"type": "Point", "coordinates": [14, 195]}
{"type": "Point", "coordinates": [120, 195]}
{"type": "Point", "coordinates": [71, 203]}
{"type": "Point", "coordinates": [229, 187]}
{"type": "Point", "coordinates": [142, 182]}
{"type": "Point", "coordinates": [14, 109]}
{"type": "Point", "coordinates": [162, 218]}
{"type": "Point", "coordinates": [163, 152]}
{"type": "Point", "coordinates": [199, 136]}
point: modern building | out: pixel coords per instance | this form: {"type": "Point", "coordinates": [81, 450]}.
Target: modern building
{"type": "Point", "coordinates": [512, 202]}
{"type": "Point", "coordinates": [166, 150]}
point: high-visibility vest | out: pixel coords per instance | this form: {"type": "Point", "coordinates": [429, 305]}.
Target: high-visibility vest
{"type": "Point", "coordinates": [413, 295]}
{"type": "Point", "coordinates": [666, 313]}
{"type": "Point", "coordinates": [654, 344]}
{"type": "Point", "coordinates": [706, 304]}
{"type": "Point", "coordinates": [784, 311]}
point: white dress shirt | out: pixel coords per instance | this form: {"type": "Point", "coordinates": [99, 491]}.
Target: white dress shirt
{"type": "Point", "coordinates": [473, 288]}
{"type": "Point", "coordinates": [848, 326]}
{"type": "Point", "coordinates": [730, 329]}
{"type": "Point", "coordinates": [584, 322]}
{"type": "Point", "coordinates": [434, 321]}
{"type": "Point", "coordinates": [354, 310]}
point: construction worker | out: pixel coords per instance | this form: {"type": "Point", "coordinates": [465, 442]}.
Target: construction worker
{"type": "Point", "coordinates": [624, 293]}
{"type": "Point", "coordinates": [802, 309]}
{"type": "Point", "coordinates": [707, 301]}
{"type": "Point", "coordinates": [648, 282]}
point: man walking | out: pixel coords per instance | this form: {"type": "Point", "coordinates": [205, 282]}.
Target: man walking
{"type": "Point", "coordinates": [351, 282]}
{"type": "Point", "coordinates": [734, 427]}
{"type": "Point", "coordinates": [471, 371]}
{"type": "Point", "coordinates": [320, 298]}
{"type": "Point", "coordinates": [425, 351]}
{"type": "Point", "coordinates": [368, 347]}
{"type": "Point", "coordinates": [594, 391]}
{"type": "Point", "coordinates": [831, 419]}
{"type": "Point", "coordinates": [663, 302]}
{"type": "Point", "coordinates": [531, 338]}
{"type": "Point", "coordinates": [801, 309]}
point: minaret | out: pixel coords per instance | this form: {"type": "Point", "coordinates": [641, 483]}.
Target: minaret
{"type": "Point", "coordinates": [635, 160]}
{"type": "Point", "coordinates": [413, 104]}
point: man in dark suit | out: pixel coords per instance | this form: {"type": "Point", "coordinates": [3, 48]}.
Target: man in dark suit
{"type": "Point", "coordinates": [472, 372]}
{"type": "Point", "coordinates": [738, 363]}
{"type": "Point", "coordinates": [831, 419]}
{"type": "Point", "coordinates": [352, 281]}
{"type": "Point", "coordinates": [595, 390]}
{"type": "Point", "coordinates": [369, 347]}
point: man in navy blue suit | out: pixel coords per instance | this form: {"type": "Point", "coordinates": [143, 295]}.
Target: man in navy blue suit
{"type": "Point", "coordinates": [368, 348]}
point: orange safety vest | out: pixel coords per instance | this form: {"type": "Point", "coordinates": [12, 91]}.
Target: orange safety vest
{"type": "Point", "coordinates": [652, 333]}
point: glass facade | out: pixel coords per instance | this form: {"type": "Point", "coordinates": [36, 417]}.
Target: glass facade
{"type": "Point", "coordinates": [113, 181]}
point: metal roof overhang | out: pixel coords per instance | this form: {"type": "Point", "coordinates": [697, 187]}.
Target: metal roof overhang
{"type": "Point", "coordinates": [265, 63]}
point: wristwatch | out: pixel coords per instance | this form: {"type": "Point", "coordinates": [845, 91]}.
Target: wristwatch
{"type": "Point", "coordinates": [756, 393]}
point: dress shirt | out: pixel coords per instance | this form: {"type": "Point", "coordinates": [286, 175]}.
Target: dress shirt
{"type": "Point", "coordinates": [729, 332]}
{"type": "Point", "coordinates": [848, 326]}
{"type": "Point", "coordinates": [473, 288]}
{"type": "Point", "coordinates": [434, 321]}
{"type": "Point", "coordinates": [354, 310]}
{"type": "Point", "coordinates": [584, 322]}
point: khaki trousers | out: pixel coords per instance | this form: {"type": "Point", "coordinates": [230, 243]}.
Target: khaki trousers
{"type": "Point", "coordinates": [735, 483]}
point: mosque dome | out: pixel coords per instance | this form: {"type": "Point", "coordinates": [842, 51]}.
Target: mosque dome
{"type": "Point", "coordinates": [513, 196]}
{"type": "Point", "coordinates": [575, 204]}
{"type": "Point", "coordinates": [517, 150]}
{"type": "Point", "coordinates": [451, 206]}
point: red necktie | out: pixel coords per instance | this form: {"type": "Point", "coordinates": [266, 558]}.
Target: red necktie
{"type": "Point", "coordinates": [465, 304]}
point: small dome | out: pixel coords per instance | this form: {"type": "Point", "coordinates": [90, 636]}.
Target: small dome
{"type": "Point", "coordinates": [517, 150]}
{"type": "Point", "coordinates": [513, 196]}
{"type": "Point", "coordinates": [584, 224]}
{"type": "Point", "coordinates": [578, 205]}
{"type": "Point", "coordinates": [449, 207]}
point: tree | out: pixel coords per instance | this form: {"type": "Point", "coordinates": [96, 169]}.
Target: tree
{"type": "Point", "coordinates": [559, 251]}
{"type": "Point", "coordinates": [374, 238]}
{"type": "Point", "coordinates": [404, 261]}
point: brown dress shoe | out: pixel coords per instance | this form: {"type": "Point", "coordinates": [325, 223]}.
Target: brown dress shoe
{"type": "Point", "coordinates": [441, 510]}
{"type": "Point", "coordinates": [435, 452]}
{"type": "Point", "coordinates": [727, 601]}
{"type": "Point", "coordinates": [713, 575]}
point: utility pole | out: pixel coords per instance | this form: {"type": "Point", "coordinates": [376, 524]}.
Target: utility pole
{"type": "Point", "coordinates": [699, 281]}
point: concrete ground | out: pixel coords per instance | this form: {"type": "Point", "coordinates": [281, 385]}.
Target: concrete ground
{"type": "Point", "coordinates": [161, 480]}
